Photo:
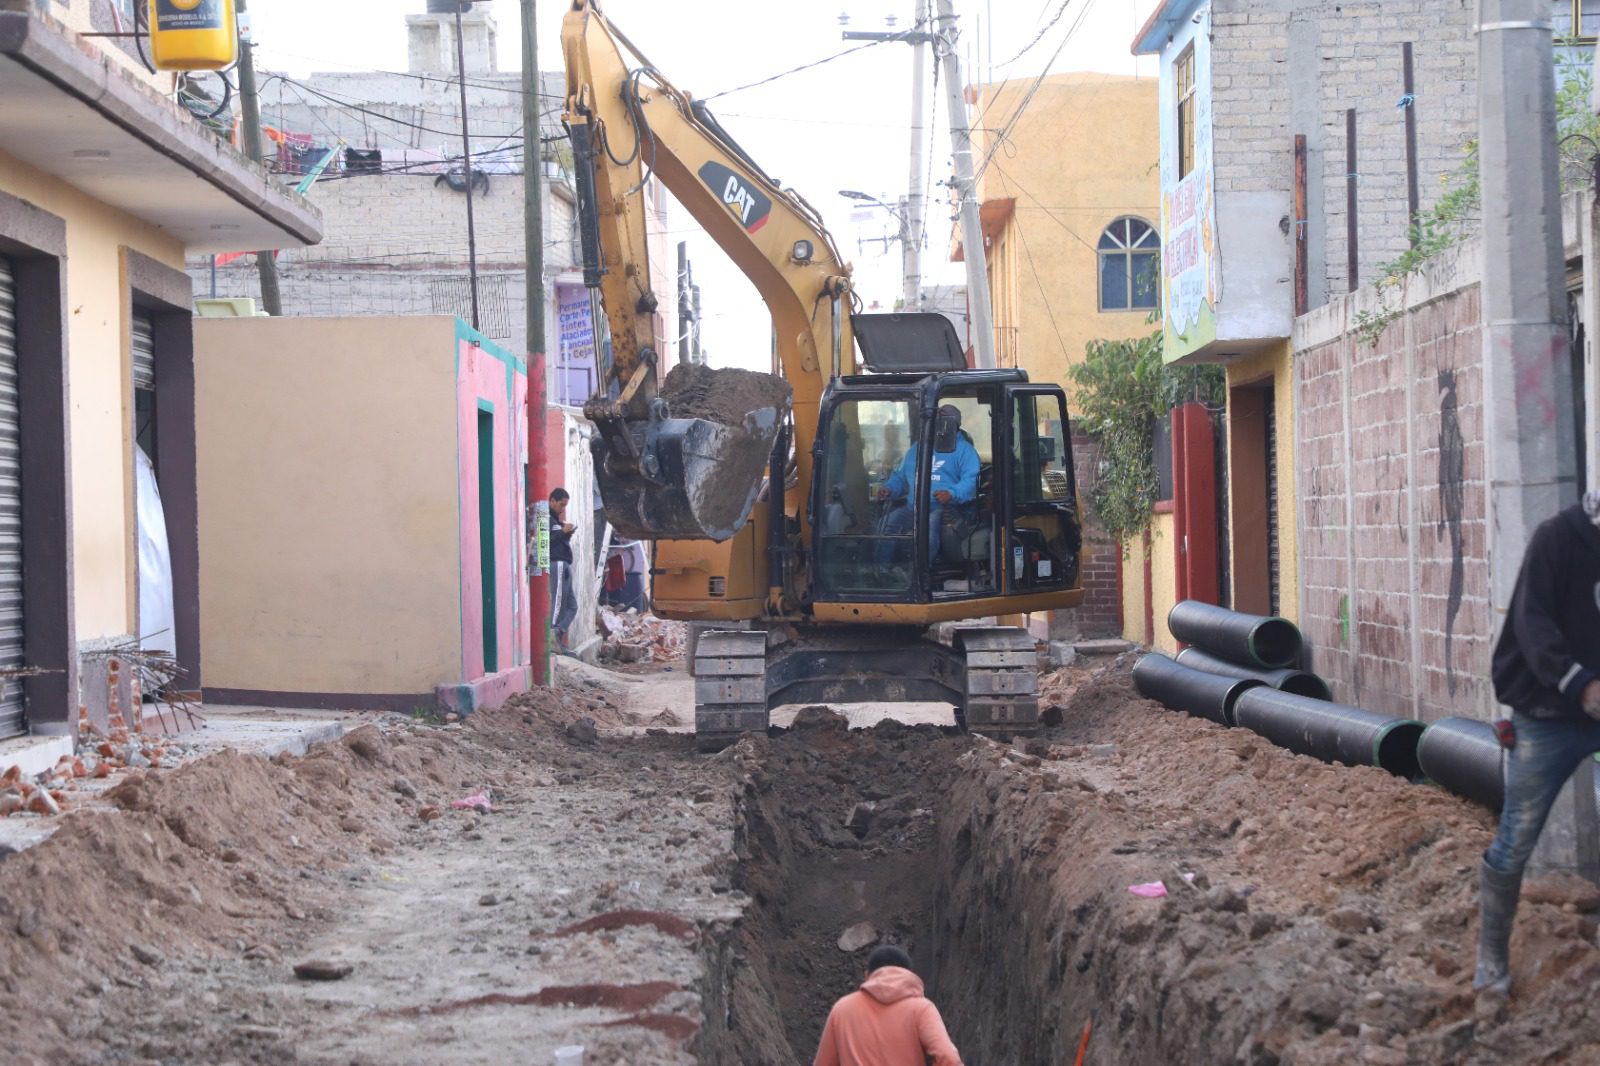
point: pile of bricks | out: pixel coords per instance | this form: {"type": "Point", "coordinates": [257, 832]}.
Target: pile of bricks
{"type": "Point", "coordinates": [100, 755]}
{"type": "Point", "coordinates": [631, 637]}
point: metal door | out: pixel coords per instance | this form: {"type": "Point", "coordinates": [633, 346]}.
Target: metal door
{"type": "Point", "coordinates": [11, 705]}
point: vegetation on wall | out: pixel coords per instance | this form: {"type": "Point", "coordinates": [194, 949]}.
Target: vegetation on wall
{"type": "Point", "coordinates": [1454, 216]}
{"type": "Point", "coordinates": [1122, 389]}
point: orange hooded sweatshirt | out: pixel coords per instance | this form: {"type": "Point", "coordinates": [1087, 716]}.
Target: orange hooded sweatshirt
{"type": "Point", "coordinates": [887, 1023]}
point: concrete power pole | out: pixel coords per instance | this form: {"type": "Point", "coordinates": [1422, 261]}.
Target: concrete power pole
{"type": "Point", "coordinates": [538, 381]}
{"type": "Point", "coordinates": [250, 121]}
{"type": "Point", "coordinates": [911, 248]}
{"type": "Point", "coordinates": [913, 206]}
{"type": "Point", "coordinates": [967, 189]}
{"type": "Point", "coordinates": [1531, 441]}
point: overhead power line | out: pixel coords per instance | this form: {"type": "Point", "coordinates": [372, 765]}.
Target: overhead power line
{"type": "Point", "coordinates": [1040, 35]}
{"type": "Point", "coordinates": [819, 62]}
{"type": "Point", "coordinates": [1033, 89]}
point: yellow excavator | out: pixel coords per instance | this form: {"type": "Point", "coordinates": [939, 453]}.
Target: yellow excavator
{"type": "Point", "coordinates": [816, 524]}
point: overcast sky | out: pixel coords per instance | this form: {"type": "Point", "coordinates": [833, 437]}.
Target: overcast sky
{"type": "Point", "coordinates": [842, 125]}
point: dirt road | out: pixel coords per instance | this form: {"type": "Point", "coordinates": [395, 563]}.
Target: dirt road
{"type": "Point", "coordinates": [662, 907]}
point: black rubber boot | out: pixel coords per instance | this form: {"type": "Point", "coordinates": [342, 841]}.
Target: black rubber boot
{"type": "Point", "coordinates": [1497, 910]}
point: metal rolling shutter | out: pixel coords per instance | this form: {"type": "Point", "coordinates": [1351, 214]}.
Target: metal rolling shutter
{"type": "Point", "coordinates": [1272, 500]}
{"type": "Point", "coordinates": [11, 707]}
{"type": "Point", "coordinates": [144, 350]}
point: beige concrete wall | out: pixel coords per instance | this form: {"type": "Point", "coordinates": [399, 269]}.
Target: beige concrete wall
{"type": "Point", "coordinates": [1163, 580]}
{"type": "Point", "coordinates": [1133, 585]}
{"type": "Point", "coordinates": [329, 535]}
{"type": "Point", "coordinates": [98, 310]}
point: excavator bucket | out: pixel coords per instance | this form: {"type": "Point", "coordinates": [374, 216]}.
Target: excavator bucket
{"type": "Point", "coordinates": [693, 469]}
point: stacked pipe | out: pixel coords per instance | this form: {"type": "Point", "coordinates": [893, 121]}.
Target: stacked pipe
{"type": "Point", "coordinates": [1240, 671]}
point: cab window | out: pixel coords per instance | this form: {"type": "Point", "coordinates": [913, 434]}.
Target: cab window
{"type": "Point", "coordinates": [864, 549]}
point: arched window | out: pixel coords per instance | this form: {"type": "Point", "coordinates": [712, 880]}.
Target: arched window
{"type": "Point", "coordinates": [1129, 252]}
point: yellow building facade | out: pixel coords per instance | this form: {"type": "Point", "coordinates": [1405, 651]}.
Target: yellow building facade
{"type": "Point", "coordinates": [1071, 208]}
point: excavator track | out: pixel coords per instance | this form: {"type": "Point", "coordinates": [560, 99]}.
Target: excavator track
{"type": "Point", "coordinates": [1002, 682]}
{"type": "Point", "coordinates": [730, 686]}
{"type": "Point", "coordinates": [990, 674]}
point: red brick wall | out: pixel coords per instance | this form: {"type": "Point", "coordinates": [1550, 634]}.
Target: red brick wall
{"type": "Point", "coordinates": [1101, 613]}
{"type": "Point", "coordinates": [1392, 549]}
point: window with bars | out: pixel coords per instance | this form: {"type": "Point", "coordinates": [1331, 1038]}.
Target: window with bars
{"type": "Point", "coordinates": [1576, 19]}
{"type": "Point", "coordinates": [1130, 251]}
{"type": "Point", "coordinates": [1183, 83]}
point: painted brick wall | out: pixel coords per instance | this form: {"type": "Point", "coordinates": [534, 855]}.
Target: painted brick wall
{"type": "Point", "coordinates": [1393, 551]}
{"type": "Point", "coordinates": [1101, 613]}
{"type": "Point", "coordinates": [1283, 67]}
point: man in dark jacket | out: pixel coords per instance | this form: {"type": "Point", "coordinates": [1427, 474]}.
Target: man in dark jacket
{"type": "Point", "coordinates": [1545, 670]}
{"type": "Point", "coordinates": [563, 597]}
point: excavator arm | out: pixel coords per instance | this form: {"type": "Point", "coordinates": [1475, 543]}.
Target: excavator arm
{"type": "Point", "coordinates": [687, 460]}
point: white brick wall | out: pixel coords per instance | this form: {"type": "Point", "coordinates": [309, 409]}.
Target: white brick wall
{"type": "Point", "coordinates": [396, 242]}
{"type": "Point", "coordinates": [1357, 48]}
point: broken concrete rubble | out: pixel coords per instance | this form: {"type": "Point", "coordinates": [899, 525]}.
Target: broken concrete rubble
{"type": "Point", "coordinates": [631, 637]}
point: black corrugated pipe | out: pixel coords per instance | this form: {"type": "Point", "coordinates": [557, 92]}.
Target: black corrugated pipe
{"type": "Point", "coordinates": [1242, 638]}
{"type": "Point", "coordinates": [1209, 696]}
{"type": "Point", "coordinates": [1331, 731]}
{"type": "Point", "coordinates": [1286, 680]}
{"type": "Point", "coordinates": [1465, 757]}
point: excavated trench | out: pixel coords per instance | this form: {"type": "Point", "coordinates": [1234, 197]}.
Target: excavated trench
{"type": "Point", "coordinates": [890, 827]}
{"type": "Point", "coordinates": [1005, 873]}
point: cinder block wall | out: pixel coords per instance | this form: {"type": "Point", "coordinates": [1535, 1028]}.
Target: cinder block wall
{"type": "Point", "coordinates": [1393, 554]}
{"type": "Point", "coordinates": [1286, 67]}
{"type": "Point", "coordinates": [396, 244]}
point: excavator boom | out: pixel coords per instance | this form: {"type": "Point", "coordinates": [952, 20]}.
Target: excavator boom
{"type": "Point", "coordinates": [686, 460]}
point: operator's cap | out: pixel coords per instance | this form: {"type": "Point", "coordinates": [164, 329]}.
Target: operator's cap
{"type": "Point", "coordinates": [950, 410]}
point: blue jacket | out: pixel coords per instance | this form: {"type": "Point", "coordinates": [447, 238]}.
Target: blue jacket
{"type": "Point", "coordinates": [955, 472]}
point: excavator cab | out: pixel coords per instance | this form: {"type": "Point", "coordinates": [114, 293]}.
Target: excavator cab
{"type": "Point", "coordinates": [940, 487]}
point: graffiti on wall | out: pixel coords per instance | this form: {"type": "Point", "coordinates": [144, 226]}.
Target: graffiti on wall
{"type": "Point", "coordinates": [1190, 274]}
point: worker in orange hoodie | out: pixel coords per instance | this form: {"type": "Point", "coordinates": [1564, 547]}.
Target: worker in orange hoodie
{"type": "Point", "coordinates": [888, 1022]}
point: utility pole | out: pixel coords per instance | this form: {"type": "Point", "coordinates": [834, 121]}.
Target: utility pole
{"type": "Point", "coordinates": [911, 215]}
{"type": "Point", "coordinates": [538, 385]}
{"type": "Point", "coordinates": [250, 106]}
{"type": "Point", "coordinates": [911, 252]}
{"type": "Point", "coordinates": [1531, 439]}
{"type": "Point", "coordinates": [967, 189]}
{"type": "Point", "coordinates": [529, 160]}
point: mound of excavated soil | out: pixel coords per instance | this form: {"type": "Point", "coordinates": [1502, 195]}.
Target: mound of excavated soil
{"type": "Point", "coordinates": [721, 394]}
{"type": "Point", "coordinates": [195, 861]}
{"type": "Point", "coordinates": [1328, 914]}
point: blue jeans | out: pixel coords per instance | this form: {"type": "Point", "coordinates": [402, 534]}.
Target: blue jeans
{"type": "Point", "coordinates": [901, 521]}
{"type": "Point", "coordinates": [563, 599]}
{"type": "Point", "coordinates": [1546, 753]}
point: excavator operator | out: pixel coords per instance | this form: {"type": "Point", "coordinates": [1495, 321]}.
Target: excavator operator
{"type": "Point", "coordinates": [953, 480]}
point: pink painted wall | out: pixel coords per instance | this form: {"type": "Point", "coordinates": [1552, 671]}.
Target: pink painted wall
{"type": "Point", "coordinates": [487, 373]}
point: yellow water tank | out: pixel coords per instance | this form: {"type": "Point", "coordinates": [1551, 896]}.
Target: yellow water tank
{"type": "Point", "coordinates": [192, 34]}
